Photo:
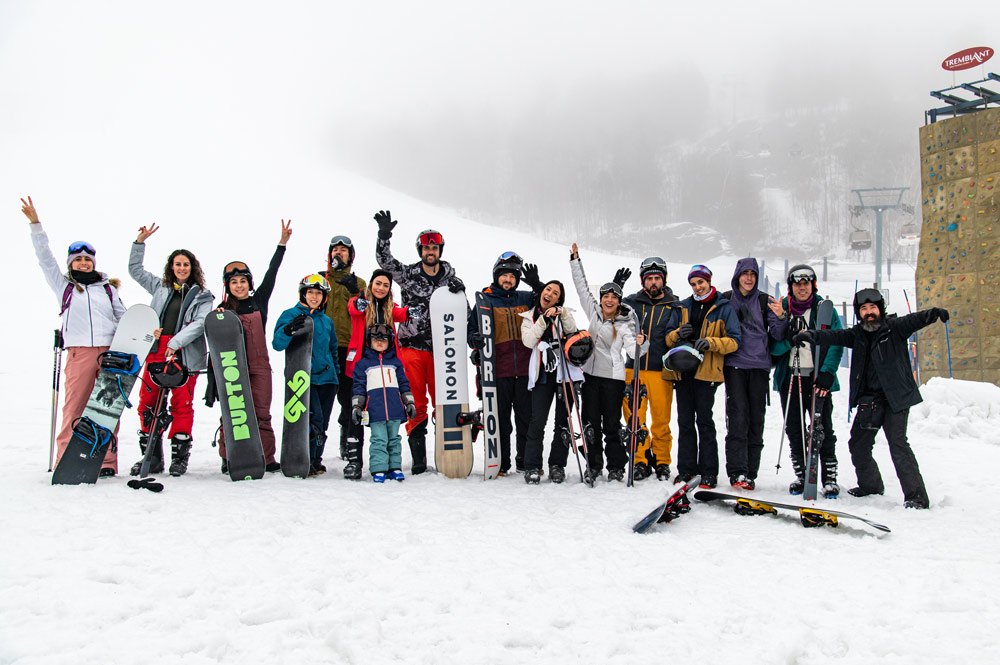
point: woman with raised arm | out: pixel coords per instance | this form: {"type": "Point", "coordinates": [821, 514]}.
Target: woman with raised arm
{"type": "Point", "coordinates": [90, 310]}
{"type": "Point", "coordinates": [182, 302]}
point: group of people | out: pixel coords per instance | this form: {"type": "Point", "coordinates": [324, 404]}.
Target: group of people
{"type": "Point", "coordinates": [375, 357]}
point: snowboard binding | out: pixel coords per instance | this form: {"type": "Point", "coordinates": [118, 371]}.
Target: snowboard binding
{"type": "Point", "coordinates": [751, 507]}
{"type": "Point", "coordinates": [97, 437]}
{"type": "Point", "coordinates": [813, 518]}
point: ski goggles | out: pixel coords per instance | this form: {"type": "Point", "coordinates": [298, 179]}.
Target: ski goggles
{"type": "Point", "coordinates": [651, 265]}
{"type": "Point", "coordinates": [613, 288]}
{"type": "Point", "coordinates": [341, 240]}
{"type": "Point", "coordinates": [82, 246]}
{"type": "Point", "coordinates": [803, 275]}
{"type": "Point", "coordinates": [865, 296]}
{"type": "Point", "coordinates": [380, 331]}
{"type": "Point", "coordinates": [507, 257]}
{"type": "Point", "coordinates": [430, 238]}
{"type": "Point", "coordinates": [315, 282]}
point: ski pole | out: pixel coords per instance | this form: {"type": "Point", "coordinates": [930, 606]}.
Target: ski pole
{"type": "Point", "coordinates": [57, 349]}
{"type": "Point", "coordinates": [948, 342]}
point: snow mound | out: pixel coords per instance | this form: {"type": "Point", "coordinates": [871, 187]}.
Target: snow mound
{"type": "Point", "coordinates": [953, 409]}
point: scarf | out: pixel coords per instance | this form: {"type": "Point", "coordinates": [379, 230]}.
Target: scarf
{"type": "Point", "coordinates": [707, 296]}
{"type": "Point", "coordinates": [800, 308]}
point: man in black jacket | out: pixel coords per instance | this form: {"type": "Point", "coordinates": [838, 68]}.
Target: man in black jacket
{"type": "Point", "coordinates": [882, 389]}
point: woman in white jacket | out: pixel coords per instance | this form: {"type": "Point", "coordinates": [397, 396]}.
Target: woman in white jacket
{"type": "Point", "coordinates": [613, 329]}
{"type": "Point", "coordinates": [544, 376]}
{"type": "Point", "coordinates": [90, 312]}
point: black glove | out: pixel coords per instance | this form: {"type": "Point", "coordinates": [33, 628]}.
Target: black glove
{"type": "Point", "coordinates": [530, 271]}
{"type": "Point", "coordinates": [701, 345]}
{"type": "Point", "coordinates": [146, 484]}
{"type": "Point", "coordinates": [361, 305]}
{"type": "Point", "coordinates": [685, 331]}
{"type": "Point", "coordinates": [357, 406]}
{"type": "Point", "coordinates": [295, 325]}
{"type": "Point", "coordinates": [476, 357]}
{"type": "Point", "coordinates": [455, 284]}
{"type": "Point", "coordinates": [478, 341]}
{"type": "Point", "coordinates": [941, 314]}
{"type": "Point", "coordinates": [800, 338]}
{"type": "Point", "coordinates": [350, 282]}
{"type": "Point", "coordinates": [824, 380]}
{"type": "Point", "coordinates": [336, 263]}
{"type": "Point", "coordinates": [409, 405]}
{"type": "Point", "coordinates": [385, 224]}
{"type": "Point", "coordinates": [621, 276]}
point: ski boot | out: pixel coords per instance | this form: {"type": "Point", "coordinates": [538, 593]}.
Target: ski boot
{"type": "Point", "coordinates": [180, 451]}
{"type": "Point", "coordinates": [798, 485]}
{"type": "Point", "coordinates": [533, 476]}
{"type": "Point", "coordinates": [418, 448]}
{"type": "Point", "coordinates": [641, 471]}
{"type": "Point", "coordinates": [557, 473]}
{"type": "Point", "coordinates": [155, 461]}
{"type": "Point", "coordinates": [663, 472]}
{"type": "Point", "coordinates": [354, 467]}
{"type": "Point", "coordinates": [831, 490]}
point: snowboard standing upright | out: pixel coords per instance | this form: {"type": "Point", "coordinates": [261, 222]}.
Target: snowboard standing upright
{"type": "Point", "coordinates": [295, 428]}
{"type": "Point", "coordinates": [452, 442]}
{"type": "Point", "coordinates": [487, 370]}
{"type": "Point", "coordinates": [824, 319]}
{"type": "Point", "coordinates": [227, 350]}
{"type": "Point", "coordinates": [120, 365]}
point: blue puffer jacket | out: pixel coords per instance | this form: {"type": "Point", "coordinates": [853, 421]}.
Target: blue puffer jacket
{"type": "Point", "coordinates": [381, 377]}
{"type": "Point", "coordinates": [325, 371]}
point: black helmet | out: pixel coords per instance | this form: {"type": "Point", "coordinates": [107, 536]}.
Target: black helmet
{"type": "Point", "coordinates": [430, 237]}
{"type": "Point", "coordinates": [865, 296]}
{"type": "Point", "coordinates": [236, 269]}
{"type": "Point", "coordinates": [381, 331]}
{"type": "Point", "coordinates": [508, 262]}
{"type": "Point", "coordinates": [579, 347]}
{"type": "Point", "coordinates": [653, 265]}
{"type": "Point", "coordinates": [682, 359]}
{"type": "Point", "coordinates": [345, 242]}
{"type": "Point", "coordinates": [168, 374]}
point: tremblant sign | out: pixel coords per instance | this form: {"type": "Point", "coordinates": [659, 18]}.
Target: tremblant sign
{"type": "Point", "coordinates": [967, 59]}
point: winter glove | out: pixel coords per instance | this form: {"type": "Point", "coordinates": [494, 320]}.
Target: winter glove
{"type": "Point", "coordinates": [621, 276]}
{"type": "Point", "coordinates": [801, 338]}
{"type": "Point", "coordinates": [350, 282]}
{"type": "Point", "coordinates": [295, 325]}
{"type": "Point", "coordinates": [685, 331]}
{"type": "Point", "coordinates": [478, 341]}
{"type": "Point", "coordinates": [455, 284]}
{"type": "Point", "coordinates": [941, 314]}
{"type": "Point", "coordinates": [336, 263]}
{"type": "Point", "coordinates": [409, 405]}
{"type": "Point", "coordinates": [824, 380]}
{"type": "Point", "coordinates": [357, 406]}
{"type": "Point", "coordinates": [701, 345]}
{"type": "Point", "coordinates": [476, 357]}
{"type": "Point", "coordinates": [531, 278]}
{"type": "Point", "coordinates": [361, 305]}
{"type": "Point", "coordinates": [385, 224]}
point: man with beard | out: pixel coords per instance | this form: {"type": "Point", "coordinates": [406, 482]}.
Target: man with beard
{"type": "Point", "coordinates": [659, 313]}
{"type": "Point", "coordinates": [344, 285]}
{"type": "Point", "coordinates": [882, 389]}
{"type": "Point", "coordinates": [417, 282]}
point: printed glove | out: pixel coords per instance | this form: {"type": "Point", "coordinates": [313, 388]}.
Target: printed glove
{"type": "Point", "coordinates": [385, 224]}
{"type": "Point", "coordinates": [409, 405]}
{"type": "Point", "coordinates": [531, 278]}
{"type": "Point", "coordinates": [824, 380]}
{"type": "Point", "coordinates": [621, 276]}
{"type": "Point", "coordinates": [941, 314]}
{"type": "Point", "coordinates": [685, 331]}
{"type": "Point", "coordinates": [455, 284]}
{"type": "Point", "coordinates": [361, 305]}
{"type": "Point", "coordinates": [357, 407]}
{"type": "Point", "coordinates": [801, 338]}
{"type": "Point", "coordinates": [336, 263]}
{"type": "Point", "coordinates": [701, 345]}
{"type": "Point", "coordinates": [295, 325]}
{"type": "Point", "coordinates": [350, 282]}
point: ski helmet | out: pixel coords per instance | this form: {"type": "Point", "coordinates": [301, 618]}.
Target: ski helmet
{"type": "Point", "coordinates": [579, 347]}
{"type": "Point", "coordinates": [865, 296]}
{"type": "Point", "coordinates": [381, 331]}
{"type": "Point", "coordinates": [314, 282]}
{"type": "Point", "coordinates": [802, 273]}
{"type": "Point", "coordinates": [430, 237]}
{"type": "Point", "coordinates": [653, 265]}
{"type": "Point", "coordinates": [168, 373]}
{"type": "Point", "coordinates": [682, 359]}
{"type": "Point", "coordinates": [508, 262]}
{"type": "Point", "coordinates": [343, 241]}
{"type": "Point", "coordinates": [236, 269]}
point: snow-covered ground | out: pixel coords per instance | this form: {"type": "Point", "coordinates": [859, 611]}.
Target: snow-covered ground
{"type": "Point", "coordinates": [437, 570]}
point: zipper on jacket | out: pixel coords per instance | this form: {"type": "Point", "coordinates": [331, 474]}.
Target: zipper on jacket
{"type": "Point", "coordinates": [385, 396]}
{"type": "Point", "coordinates": [90, 312]}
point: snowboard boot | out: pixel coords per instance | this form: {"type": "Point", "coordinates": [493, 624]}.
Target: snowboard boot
{"type": "Point", "coordinates": [180, 451]}
{"type": "Point", "coordinates": [418, 448]}
{"type": "Point", "coordinates": [663, 472]}
{"type": "Point", "coordinates": [354, 467]}
{"type": "Point", "coordinates": [641, 471]}
{"type": "Point", "coordinates": [591, 476]}
{"type": "Point", "coordinates": [155, 461]}
{"type": "Point", "coordinates": [682, 478]}
{"type": "Point", "coordinates": [916, 504]}
{"type": "Point", "coordinates": [709, 482]}
{"type": "Point", "coordinates": [860, 492]}
{"type": "Point", "coordinates": [557, 473]}
{"type": "Point", "coordinates": [830, 487]}
{"type": "Point", "coordinates": [616, 474]}
{"type": "Point", "coordinates": [533, 476]}
{"type": "Point", "coordinates": [799, 484]}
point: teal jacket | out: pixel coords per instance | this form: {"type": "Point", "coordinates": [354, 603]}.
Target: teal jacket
{"type": "Point", "coordinates": [782, 349]}
{"type": "Point", "coordinates": [324, 351]}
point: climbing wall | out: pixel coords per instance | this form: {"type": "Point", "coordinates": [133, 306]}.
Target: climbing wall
{"type": "Point", "coordinates": [958, 267]}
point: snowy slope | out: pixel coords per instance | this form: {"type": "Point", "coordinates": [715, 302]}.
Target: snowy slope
{"type": "Point", "coordinates": [445, 571]}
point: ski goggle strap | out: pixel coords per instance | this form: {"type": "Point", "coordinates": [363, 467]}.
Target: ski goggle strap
{"type": "Point", "coordinates": [82, 246]}
{"type": "Point", "coordinates": [430, 238]}
{"type": "Point", "coordinates": [802, 275]}
{"type": "Point", "coordinates": [341, 240]}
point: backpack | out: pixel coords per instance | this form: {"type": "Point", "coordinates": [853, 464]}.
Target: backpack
{"type": "Point", "coordinates": [763, 298]}
{"type": "Point", "coordinates": [68, 296]}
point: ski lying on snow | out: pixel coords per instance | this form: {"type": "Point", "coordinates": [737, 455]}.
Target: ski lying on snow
{"type": "Point", "coordinates": [810, 516]}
